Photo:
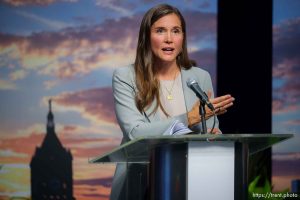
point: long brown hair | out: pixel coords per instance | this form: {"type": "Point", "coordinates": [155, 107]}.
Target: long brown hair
{"type": "Point", "coordinates": [146, 81]}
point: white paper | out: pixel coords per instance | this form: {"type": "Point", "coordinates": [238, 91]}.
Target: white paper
{"type": "Point", "coordinates": [177, 128]}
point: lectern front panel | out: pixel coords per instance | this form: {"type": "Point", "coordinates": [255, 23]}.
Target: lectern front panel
{"type": "Point", "coordinates": [210, 170]}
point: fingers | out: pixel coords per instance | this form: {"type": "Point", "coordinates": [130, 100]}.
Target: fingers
{"type": "Point", "coordinates": [222, 99]}
{"type": "Point", "coordinates": [220, 111]}
{"type": "Point", "coordinates": [222, 102]}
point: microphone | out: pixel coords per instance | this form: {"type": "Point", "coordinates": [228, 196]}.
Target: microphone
{"type": "Point", "coordinates": [192, 83]}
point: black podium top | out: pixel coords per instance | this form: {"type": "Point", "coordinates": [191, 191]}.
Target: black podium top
{"type": "Point", "coordinates": [138, 150]}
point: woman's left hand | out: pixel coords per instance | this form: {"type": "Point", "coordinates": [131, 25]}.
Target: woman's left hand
{"type": "Point", "coordinates": [221, 104]}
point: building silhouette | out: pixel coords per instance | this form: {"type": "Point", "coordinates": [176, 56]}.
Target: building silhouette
{"type": "Point", "coordinates": [51, 167]}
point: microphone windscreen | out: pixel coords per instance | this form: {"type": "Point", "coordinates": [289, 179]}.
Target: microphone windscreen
{"type": "Point", "coordinates": [190, 82]}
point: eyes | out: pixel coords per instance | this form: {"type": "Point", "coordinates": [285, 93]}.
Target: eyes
{"type": "Point", "coordinates": [162, 30]}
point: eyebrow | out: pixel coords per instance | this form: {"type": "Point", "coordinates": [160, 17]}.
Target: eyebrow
{"type": "Point", "coordinates": [163, 27]}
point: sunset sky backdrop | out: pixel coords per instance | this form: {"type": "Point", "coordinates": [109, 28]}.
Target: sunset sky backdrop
{"type": "Point", "coordinates": [67, 50]}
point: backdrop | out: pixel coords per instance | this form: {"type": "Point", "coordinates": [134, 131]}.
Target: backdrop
{"type": "Point", "coordinates": [66, 50]}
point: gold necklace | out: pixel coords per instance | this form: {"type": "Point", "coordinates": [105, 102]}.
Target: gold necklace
{"type": "Point", "coordinates": [169, 91]}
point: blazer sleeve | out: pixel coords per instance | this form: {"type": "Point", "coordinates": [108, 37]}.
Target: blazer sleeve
{"type": "Point", "coordinates": [132, 122]}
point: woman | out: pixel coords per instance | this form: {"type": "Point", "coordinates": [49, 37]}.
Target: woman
{"type": "Point", "coordinates": [152, 95]}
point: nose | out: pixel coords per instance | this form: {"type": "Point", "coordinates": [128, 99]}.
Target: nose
{"type": "Point", "coordinates": [168, 37]}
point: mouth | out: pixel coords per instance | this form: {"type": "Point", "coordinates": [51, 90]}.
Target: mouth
{"type": "Point", "coordinates": [168, 49]}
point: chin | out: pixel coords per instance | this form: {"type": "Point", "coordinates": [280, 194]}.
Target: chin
{"type": "Point", "coordinates": [168, 59]}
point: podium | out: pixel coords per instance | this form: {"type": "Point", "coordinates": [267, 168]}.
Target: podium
{"type": "Point", "coordinates": [193, 167]}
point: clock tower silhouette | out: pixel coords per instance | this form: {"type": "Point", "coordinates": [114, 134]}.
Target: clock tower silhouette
{"type": "Point", "coordinates": [51, 167]}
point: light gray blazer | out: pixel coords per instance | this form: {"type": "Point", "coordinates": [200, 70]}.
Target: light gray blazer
{"type": "Point", "coordinates": [135, 124]}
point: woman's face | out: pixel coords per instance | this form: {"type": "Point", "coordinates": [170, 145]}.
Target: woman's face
{"type": "Point", "coordinates": [166, 38]}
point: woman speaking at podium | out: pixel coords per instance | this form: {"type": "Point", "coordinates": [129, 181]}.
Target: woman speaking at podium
{"type": "Point", "coordinates": [152, 96]}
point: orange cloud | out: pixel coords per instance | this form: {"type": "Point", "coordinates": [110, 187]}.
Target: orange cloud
{"type": "Point", "coordinates": [88, 192]}
{"type": "Point", "coordinates": [20, 145]}
{"type": "Point", "coordinates": [288, 68]}
{"type": "Point", "coordinates": [94, 104]}
{"type": "Point", "coordinates": [83, 170]}
{"type": "Point", "coordinates": [282, 107]}
{"type": "Point", "coordinates": [14, 180]}
{"type": "Point", "coordinates": [73, 51]}
{"type": "Point", "coordinates": [83, 141]}
{"type": "Point", "coordinates": [76, 51]}
{"type": "Point", "coordinates": [281, 183]}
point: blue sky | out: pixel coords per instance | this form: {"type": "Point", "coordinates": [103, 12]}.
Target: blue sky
{"type": "Point", "coordinates": [285, 9]}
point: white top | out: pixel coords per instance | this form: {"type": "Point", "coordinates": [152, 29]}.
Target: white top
{"type": "Point", "coordinates": [176, 105]}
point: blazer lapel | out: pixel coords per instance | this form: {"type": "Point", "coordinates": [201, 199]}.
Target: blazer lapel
{"type": "Point", "coordinates": [154, 116]}
{"type": "Point", "coordinates": [189, 96]}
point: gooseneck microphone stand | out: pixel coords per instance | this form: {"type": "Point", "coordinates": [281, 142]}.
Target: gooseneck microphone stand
{"type": "Point", "coordinates": [202, 113]}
